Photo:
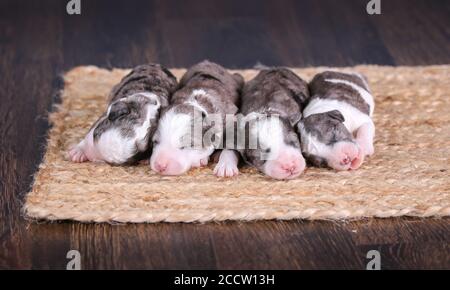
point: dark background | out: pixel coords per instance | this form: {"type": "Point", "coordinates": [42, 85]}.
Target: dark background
{"type": "Point", "coordinates": [38, 41]}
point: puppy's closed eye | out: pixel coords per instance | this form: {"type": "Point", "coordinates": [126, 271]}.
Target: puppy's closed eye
{"type": "Point", "coordinates": [336, 115]}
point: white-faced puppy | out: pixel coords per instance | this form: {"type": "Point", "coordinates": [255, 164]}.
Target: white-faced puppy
{"type": "Point", "coordinates": [122, 135]}
{"type": "Point", "coordinates": [337, 129]}
{"type": "Point", "coordinates": [206, 90]}
{"type": "Point", "coordinates": [272, 103]}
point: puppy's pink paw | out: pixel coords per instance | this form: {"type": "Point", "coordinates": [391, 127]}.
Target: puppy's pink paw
{"type": "Point", "coordinates": [77, 155]}
{"type": "Point", "coordinates": [224, 169]}
{"type": "Point", "coordinates": [367, 148]}
{"type": "Point", "coordinates": [358, 161]}
{"type": "Point", "coordinates": [200, 163]}
{"type": "Point", "coordinates": [204, 161]}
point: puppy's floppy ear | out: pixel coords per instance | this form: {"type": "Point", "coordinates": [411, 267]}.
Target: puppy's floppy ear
{"type": "Point", "coordinates": [335, 114]}
{"type": "Point", "coordinates": [117, 110]}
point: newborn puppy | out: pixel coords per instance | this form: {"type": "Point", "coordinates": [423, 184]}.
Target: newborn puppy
{"type": "Point", "coordinates": [123, 134]}
{"type": "Point", "coordinates": [337, 129]}
{"type": "Point", "coordinates": [206, 90]}
{"type": "Point", "coordinates": [272, 103]}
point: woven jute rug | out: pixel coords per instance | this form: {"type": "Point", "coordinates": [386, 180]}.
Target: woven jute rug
{"type": "Point", "coordinates": [407, 176]}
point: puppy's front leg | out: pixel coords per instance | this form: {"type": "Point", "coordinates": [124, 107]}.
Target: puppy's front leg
{"type": "Point", "coordinates": [364, 138]}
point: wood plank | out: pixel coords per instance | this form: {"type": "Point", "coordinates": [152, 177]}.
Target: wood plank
{"type": "Point", "coordinates": [416, 33]}
{"type": "Point", "coordinates": [31, 52]}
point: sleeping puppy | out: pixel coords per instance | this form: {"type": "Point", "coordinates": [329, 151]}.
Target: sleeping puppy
{"type": "Point", "coordinates": [206, 92]}
{"type": "Point", "coordinates": [272, 103]}
{"type": "Point", "coordinates": [337, 130]}
{"type": "Point", "coordinates": [123, 133]}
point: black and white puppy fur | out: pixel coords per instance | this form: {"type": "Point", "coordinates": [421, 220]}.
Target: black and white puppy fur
{"type": "Point", "coordinates": [206, 89]}
{"type": "Point", "coordinates": [280, 93]}
{"type": "Point", "coordinates": [122, 135]}
{"type": "Point", "coordinates": [337, 130]}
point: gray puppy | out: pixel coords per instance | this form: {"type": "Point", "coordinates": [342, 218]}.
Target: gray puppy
{"type": "Point", "coordinates": [207, 91]}
{"type": "Point", "coordinates": [272, 103]}
{"type": "Point", "coordinates": [337, 130]}
{"type": "Point", "coordinates": [123, 133]}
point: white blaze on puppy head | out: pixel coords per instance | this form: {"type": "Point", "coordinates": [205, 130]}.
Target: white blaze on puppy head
{"type": "Point", "coordinates": [272, 146]}
{"type": "Point", "coordinates": [178, 142]}
{"type": "Point", "coordinates": [123, 133]}
{"type": "Point", "coordinates": [337, 130]}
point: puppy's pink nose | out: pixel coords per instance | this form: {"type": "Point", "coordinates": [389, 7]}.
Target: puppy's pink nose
{"type": "Point", "coordinates": [346, 160]}
{"type": "Point", "coordinates": [289, 167]}
{"type": "Point", "coordinates": [160, 166]}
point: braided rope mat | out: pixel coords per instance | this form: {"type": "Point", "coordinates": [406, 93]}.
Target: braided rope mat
{"type": "Point", "coordinates": [407, 176]}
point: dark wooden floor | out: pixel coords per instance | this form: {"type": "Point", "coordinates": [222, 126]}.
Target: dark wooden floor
{"type": "Point", "coordinates": [38, 40]}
